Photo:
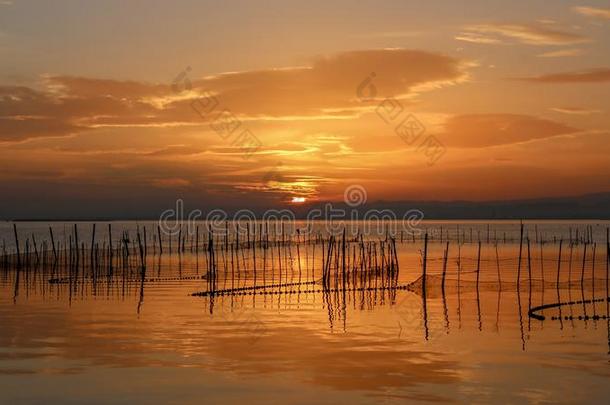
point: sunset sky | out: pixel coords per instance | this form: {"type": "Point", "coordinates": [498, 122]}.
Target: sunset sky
{"type": "Point", "coordinates": [116, 104]}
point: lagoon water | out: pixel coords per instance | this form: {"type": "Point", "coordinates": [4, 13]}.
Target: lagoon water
{"type": "Point", "coordinates": [128, 335]}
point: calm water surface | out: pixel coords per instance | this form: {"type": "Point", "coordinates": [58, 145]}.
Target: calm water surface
{"type": "Point", "coordinates": [134, 336]}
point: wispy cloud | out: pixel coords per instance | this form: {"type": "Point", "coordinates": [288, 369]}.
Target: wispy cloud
{"type": "Point", "coordinates": [596, 75]}
{"type": "Point", "coordinates": [476, 38]}
{"type": "Point", "coordinates": [526, 34]}
{"type": "Point", "coordinates": [593, 12]}
{"type": "Point", "coordinates": [391, 34]}
{"type": "Point", "coordinates": [561, 53]}
{"type": "Point", "coordinates": [574, 110]}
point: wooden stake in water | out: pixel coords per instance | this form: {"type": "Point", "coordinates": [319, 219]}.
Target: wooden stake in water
{"type": "Point", "coordinates": [142, 261]}
{"type": "Point", "coordinates": [396, 257]}
{"type": "Point", "coordinates": [76, 244]}
{"type": "Point", "coordinates": [35, 248]}
{"type": "Point", "coordinates": [498, 268]}
{"type": "Point", "coordinates": [160, 241]}
{"type": "Point", "coordinates": [529, 271]}
{"type": "Point", "coordinates": [424, 263]}
{"type": "Point", "coordinates": [582, 274]}
{"type": "Point", "coordinates": [593, 272]}
{"type": "Point", "coordinates": [478, 264]}
{"type": "Point", "coordinates": [53, 243]}
{"type": "Point", "coordinates": [343, 254]}
{"type": "Point", "coordinates": [197, 240]}
{"type": "Point", "coordinates": [92, 245]}
{"type": "Point", "coordinates": [607, 261]}
{"type": "Point", "coordinates": [145, 239]}
{"type": "Point", "coordinates": [17, 246]}
{"type": "Point", "coordinates": [559, 267]}
{"type": "Point", "coordinates": [445, 267]}
{"type": "Point", "coordinates": [520, 254]}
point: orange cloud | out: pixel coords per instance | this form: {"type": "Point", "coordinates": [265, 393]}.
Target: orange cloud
{"type": "Point", "coordinates": [14, 129]}
{"type": "Point", "coordinates": [331, 82]}
{"type": "Point", "coordinates": [585, 76]}
{"type": "Point", "coordinates": [482, 130]}
{"type": "Point", "coordinates": [325, 88]}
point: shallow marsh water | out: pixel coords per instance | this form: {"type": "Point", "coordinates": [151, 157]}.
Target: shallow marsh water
{"type": "Point", "coordinates": [144, 337]}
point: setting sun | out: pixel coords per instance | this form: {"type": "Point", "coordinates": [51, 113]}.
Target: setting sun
{"type": "Point", "coordinates": [298, 200]}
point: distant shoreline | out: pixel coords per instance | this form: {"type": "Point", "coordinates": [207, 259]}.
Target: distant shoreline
{"type": "Point", "coordinates": [454, 219]}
